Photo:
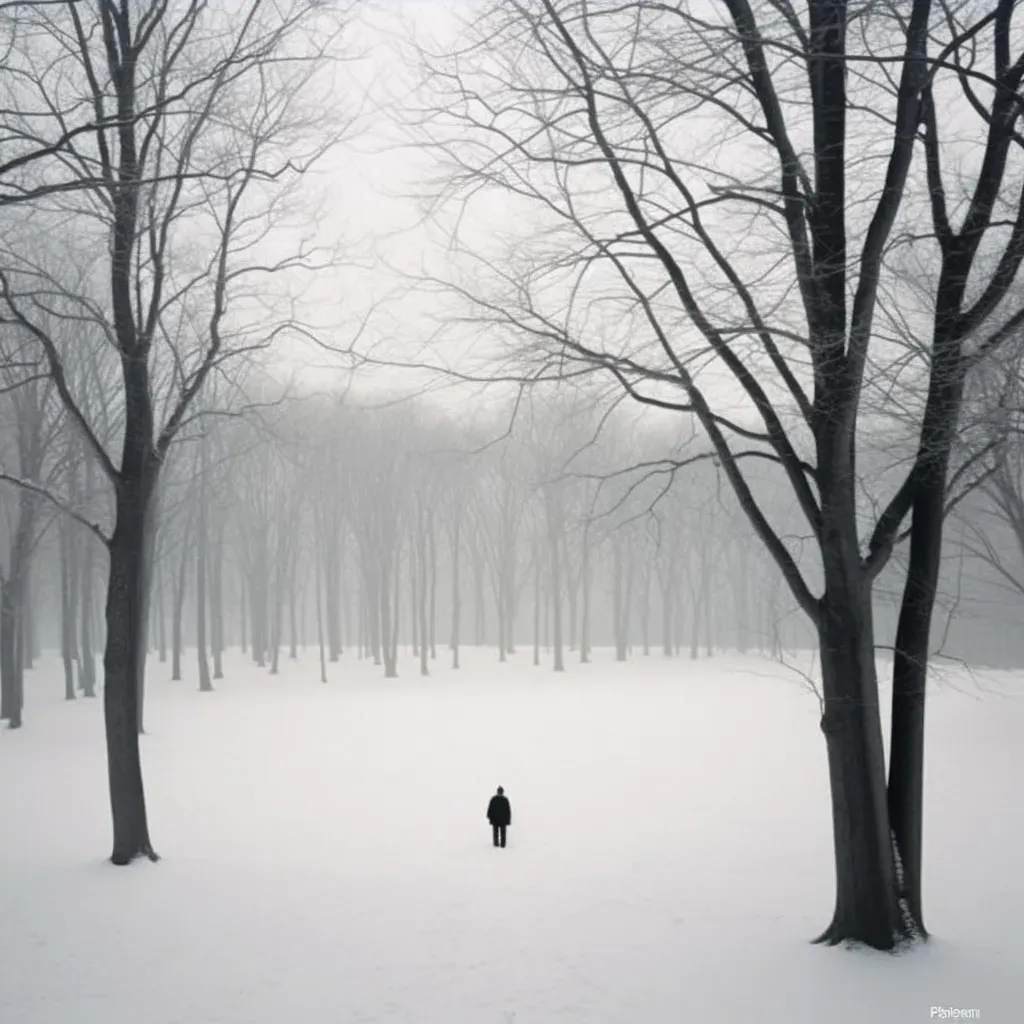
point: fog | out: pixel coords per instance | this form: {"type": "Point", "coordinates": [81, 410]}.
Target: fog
{"type": "Point", "coordinates": [447, 344]}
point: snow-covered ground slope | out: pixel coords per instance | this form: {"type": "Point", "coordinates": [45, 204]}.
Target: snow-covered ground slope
{"type": "Point", "coordinates": [326, 858]}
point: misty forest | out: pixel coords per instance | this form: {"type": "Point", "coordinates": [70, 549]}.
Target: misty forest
{"type": "Point", "coordinates": [618, 403]}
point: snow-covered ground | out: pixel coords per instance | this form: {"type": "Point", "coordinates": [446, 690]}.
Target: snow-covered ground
{"type": "Point", "coordinates": [326, 858]}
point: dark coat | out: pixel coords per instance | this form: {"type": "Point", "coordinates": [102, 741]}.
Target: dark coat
{"type": "Point", "coordinates": [499, 811]}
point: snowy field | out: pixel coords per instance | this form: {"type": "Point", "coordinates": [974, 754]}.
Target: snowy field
{"type": "Point", "coordinates": [327, 860]}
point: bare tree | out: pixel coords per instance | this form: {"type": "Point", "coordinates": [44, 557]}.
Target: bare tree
{"type": "Point", "coordinates": [686, 200]}
{"type": "Point", "coordinates": [200, 133]}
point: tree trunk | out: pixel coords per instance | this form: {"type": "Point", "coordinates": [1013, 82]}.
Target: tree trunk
{"type": "Point", "coordinates": [645, 610]}
{"type": "Point", "coordinates": [480, 608]}
{"type": "Point", "coordinates": [706, 591]}
{"type": "Point", "coordinates": [556, 597]}
{"type": "Point", "coordinates": [202, 545]}
{"type": "Point", "coordinates": [867, 900]}
{"type": "Point", "coordinates": [499, 600]}
{"type": "Point", "coordinates": [414, 619]}
{"type": "Point", "coordinates": [620, 601]}
{"type": "Point", "coordinates": [585, 599]}
{"type": "Point", "coordinates": [910, 662]}
{"type": "Point", "coordinates": [319, 621]}
{"type": "Point", "coordinates": [909, 683]}
{"type": "Point", "coordinates": [29, 633]}
{"type": "Point", "coordinates": [421, 555]}
{"type": "Point", "coordinates": [217, 600]}
{"type": "Point", "coordinates": [179, 601]}
{"type": "Point", "coordinates": [456, 591]}
{"type": "Point", "coordinates": [742, 603]}
{"type": "Point", "coordinates": [536, 606]}
{"type": "Point", "coordinates": [123, 663]}
{"type": "Point", "coordinates": [293, 624]}
{"type": "Point", "coordinates": [396, 570]}
{"type": "Point", "coordinates": [87, 660]}
{"type": "Point", "coordinates": [387, 614]}
{"type": "Point", "coordinates": [666, 616]}
{"type": "Point", "coordinates": [10, 663]}
{"type": "Point", "coordinates": [13, 596]}
{"type": "Point", "coordinates": [330, 573]}
{"type": "Point", "coordinates": [432, 552]}
{"type": "Point", "coordinates": [68, 594]}
{"type": "Point", "coordinates": [161, 610]}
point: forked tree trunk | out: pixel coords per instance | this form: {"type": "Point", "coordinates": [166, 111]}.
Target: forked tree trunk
{"type": "Point", "coordinates": [123, 663]}
{"type": "Point", "coordinates": [867, 907]}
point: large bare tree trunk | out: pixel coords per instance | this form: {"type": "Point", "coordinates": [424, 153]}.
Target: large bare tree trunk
{"type": "Point", "coordinates": [910, 660]}
{"type": "Point", "coordinates": [123, 665]}
{"type": "Point", "coordinates": [867, 903]}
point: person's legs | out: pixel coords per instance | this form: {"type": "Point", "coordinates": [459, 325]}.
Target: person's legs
{"type": "Point", "coordinates": [494, 831]}
{"type": "Point", "coordinates": [503, 836]}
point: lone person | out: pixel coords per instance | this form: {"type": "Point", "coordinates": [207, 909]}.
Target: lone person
{"type": "Point", "coordinates": [499, 814]}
